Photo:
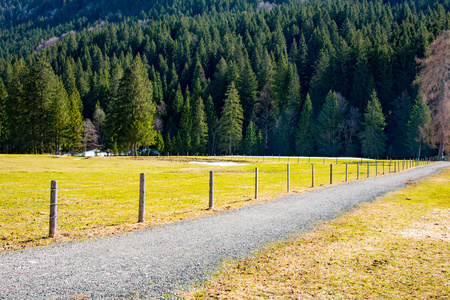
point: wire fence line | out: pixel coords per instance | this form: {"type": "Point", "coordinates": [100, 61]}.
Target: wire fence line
{"type": "Point", "coordinates": [399, 166]}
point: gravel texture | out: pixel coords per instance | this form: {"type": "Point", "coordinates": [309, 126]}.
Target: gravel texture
{"type": "Point", "coordinates": [156, 262]}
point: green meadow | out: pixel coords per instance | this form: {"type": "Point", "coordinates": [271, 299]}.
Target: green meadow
{"type": "Point", "coordinates": [99, 195]}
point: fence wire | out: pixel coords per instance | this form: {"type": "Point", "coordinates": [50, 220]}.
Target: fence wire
{"type": "Point", "coordinates": [400, 166]}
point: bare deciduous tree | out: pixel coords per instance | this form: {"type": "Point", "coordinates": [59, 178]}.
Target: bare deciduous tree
{"type": "Point", "coordinates": [90, 135]}
{"type": "Point", "coordinates": [434, 78]}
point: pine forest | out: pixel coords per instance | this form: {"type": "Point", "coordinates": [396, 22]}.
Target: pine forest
{"type": "Point", "coordinates": [331, 78]}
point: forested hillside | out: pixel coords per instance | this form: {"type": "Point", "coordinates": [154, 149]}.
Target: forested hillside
{"type": "Point", "coordinates": [216, 76]}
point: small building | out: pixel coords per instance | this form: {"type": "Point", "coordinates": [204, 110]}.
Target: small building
{"type": "Point", "coordinates": [92, 153]}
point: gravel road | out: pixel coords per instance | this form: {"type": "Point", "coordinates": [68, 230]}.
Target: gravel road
{"type": "Point", "coordinates": [156, 262]}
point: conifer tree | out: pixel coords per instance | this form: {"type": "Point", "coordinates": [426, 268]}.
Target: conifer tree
{"type": "Point", "coordinates": [3, 116]}
{"type": "Point", "coordinates": [134, 110]}
{"type": "Point", "coordinates": [250, 142]}
{"type": "Point", "coordinates": [41, 91]}
{"type": "Point", "coordinates": [76, 129]}
{"type": "Point", "coordinates": [264, 115]}
{"type": "Point", "coordinates": [304, 138]}
{"type": "Point", "coordinates": [186, 125]}
{"type": "Point", "coordinates": [17, 111]}
{"type": "Point", "coordinates": [247, 87]}
{"type": "Point", "coordinates": [159, 142]}
{"type": "Point", "coordinates": [327, 127]}
{"type": "Point", "coordinates": [231, 121]}
{"type": "Point", "coordinates": [293, 94]}
{"type": "Point", "coordinates": [213, 125]}
{"type": "Point", "coordinates": [416, 134]}
{"type": "Point", "coordinates": [99, 122]}
{"type": "Point", "coordinates": [199, 127]}
{"type": "Point", "coordinates": [373, 137]}
{"type": "Point", "coordinates": [59, 118]}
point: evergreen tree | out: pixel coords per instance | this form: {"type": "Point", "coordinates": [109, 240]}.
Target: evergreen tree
{"type": "Point", "coordinates": [3, 116]}
{"type": "Point", "coordinates": [264, 113]}
{"type": "Point", "coordinates": [231, 121]}
{"type": "Point", "coordinates": [327, 128]}
{"type": "Point", "coordinates": [373, 138]}
{"type": "Point", "coordinates": [159, 142]}
{"type": "Point", "coordinates": [186, 126]}
{"type": "Point", "coordinates": [304, 138]}
{"type": "Point", "coordinates": [247, 88]}
{"type": "Point", "coordinates": [134, 110]}
{"type": "Point", "coordinates": [18, 113]}
{"type": "Point", "coordinates": [250, 142]}
{"type": "Point", "coordinates": [416, 134]}
{"type": "Point", "coordinates": [99, 122]}
{"type": "Point", "coordinates": [199, 127]}
{"type": "Point", "coordinates": [42, 91]}
{"type": "Point", "coordinates": [76, 129]}
{"type": "Point", "coordinates": [59, 118]}
{"type": "Point", "coordinates": [213, 125]}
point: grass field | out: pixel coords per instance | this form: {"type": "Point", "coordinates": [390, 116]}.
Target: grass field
{"type": "Point", "coordinates": [99, 196]}
{"type": "Point", "coordinates": [395, 248]}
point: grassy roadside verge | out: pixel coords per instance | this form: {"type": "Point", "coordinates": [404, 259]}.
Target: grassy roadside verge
{"type": "Point", "coordinates": [395, 248]}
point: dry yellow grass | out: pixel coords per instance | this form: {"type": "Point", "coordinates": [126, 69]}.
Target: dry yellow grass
{"type": "Point", "coordinates": [395, 248]}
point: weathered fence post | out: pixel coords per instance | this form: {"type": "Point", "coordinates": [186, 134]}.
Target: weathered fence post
{"type": "Point", "coordinates": [141, 198]}
{"type": "Point", "coordinates": [256, 183]}
{"type": "Point", "coordinates": [53, 221]}
{"type": "Point", "coordinates": [368, 170]}
{"type": "Point", "coordinates": [357, 170]}
{"type": "Point", "coordinates": [331, 173]}
{"type": "Point", "coordinates": [211, 190]}
{"type": "Point", "coordinates": [313, 174]}
{"type": "Point", "coordinates": [288, 178]}
{"type": "Point", "coordinates": [346, 172]}
{"type": "Point", "coordinates": [376, 167]}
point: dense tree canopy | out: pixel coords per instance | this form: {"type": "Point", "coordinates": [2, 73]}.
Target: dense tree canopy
{"type": "Point", "coordinates": [159, 73]}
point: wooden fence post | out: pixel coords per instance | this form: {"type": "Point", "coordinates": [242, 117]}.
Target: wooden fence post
{"type": "Point", "coordinates": [357, 170]}
{"type": "Point", "coordinates": [211, 190]}
{"type": "Point", "coordinates": [141, 216]}
{"type": "Point", "coordinates": [288, 178]}
{"type": "Point", "coordinates": [368, 170]}
{"type": "Point", "coordinates": [53, 221]}
{"type": "Point", "coordinates": [313, 174]}
{"type": "Point", "coordinates": [331, 173]}
{"type": "Point", "coordinates": [256, 183]}
{"type": "Point", "coordinates": [346, 172]}
{"type": "Point", "coordinates": [376, 168]}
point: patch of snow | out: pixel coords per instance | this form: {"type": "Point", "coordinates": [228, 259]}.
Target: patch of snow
{"type": "Point", "coordinates": [267, 6]}
{"type": "Point", "coordinates": [219, 164]}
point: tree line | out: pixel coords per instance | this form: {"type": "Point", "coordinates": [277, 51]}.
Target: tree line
{"type": "Point", "coordinates": [311, 78]}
